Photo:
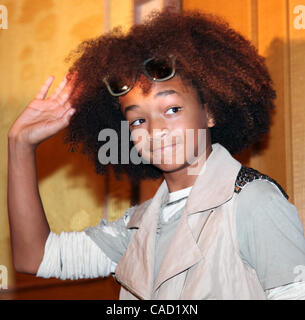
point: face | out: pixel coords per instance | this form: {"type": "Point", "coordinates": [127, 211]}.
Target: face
{"type": "Point", "coordinates": [168, 125]}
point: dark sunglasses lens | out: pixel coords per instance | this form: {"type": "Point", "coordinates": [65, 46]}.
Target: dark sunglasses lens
{"type": "Point", "coordinates": [118, 86]}
{"type": "Point", "coordinates": [159, 69]}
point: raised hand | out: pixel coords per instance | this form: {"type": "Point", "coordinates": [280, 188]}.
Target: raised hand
{"type": "Point", "coordinates": [44, 117]}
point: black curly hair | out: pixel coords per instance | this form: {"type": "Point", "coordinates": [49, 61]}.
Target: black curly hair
{"type": "Point", "coordinates": [229, 75]}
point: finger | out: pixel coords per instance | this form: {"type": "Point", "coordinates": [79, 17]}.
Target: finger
{"type": "Point", "coordinates": [66, 117]}
{"type": "Point", "coordinates": [59, 89]}
{"type": "Point", "coordinates": [64, 109]}
{"type": "Point", "coordinates": [65, 93]}
{"type": "Point", "coordinates": [60, 123]}
{"type": "Point", "coordinates": [45, 88]}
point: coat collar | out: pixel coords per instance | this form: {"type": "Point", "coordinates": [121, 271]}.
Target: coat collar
{"type": "Point", "coordinates": [213, 187]}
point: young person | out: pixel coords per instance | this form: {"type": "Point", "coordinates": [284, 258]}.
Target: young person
{"type": "Point", "coordinates": [214, 229]}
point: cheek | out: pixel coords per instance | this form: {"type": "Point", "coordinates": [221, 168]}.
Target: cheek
{"type": "Point", "coordinates": [195, 134]}
{"type": "Point", "coordinates": [140, 137]}
{"type": "Point", "coordinates": [193, 118]}
{"type": "Point", "coordinates": [198, 120]}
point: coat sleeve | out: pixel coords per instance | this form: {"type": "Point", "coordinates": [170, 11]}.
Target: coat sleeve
{"type": "Point", "coordinates": [73, 255]}
{"type": "Point", "coordinates": [112, 237]}
{"type": "Point", "coordinates": [91, 253]}
{"type": "Point", "coordinates": [292, 291]}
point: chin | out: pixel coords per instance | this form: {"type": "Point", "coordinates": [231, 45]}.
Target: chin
{"type": "Point", "coordinates": [181, 165]}
{"type": "Point", "coordinates": [168, 168]}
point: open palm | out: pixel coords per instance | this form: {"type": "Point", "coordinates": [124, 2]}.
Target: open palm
{"type": "Point", "coordinates": [44, 117]}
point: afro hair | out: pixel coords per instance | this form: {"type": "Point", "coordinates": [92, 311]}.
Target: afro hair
{"type": "Point", "coordinates": [229, 75]}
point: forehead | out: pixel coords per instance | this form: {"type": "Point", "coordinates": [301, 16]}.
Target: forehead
{"type": "Point", "coordinates": [147, 89]}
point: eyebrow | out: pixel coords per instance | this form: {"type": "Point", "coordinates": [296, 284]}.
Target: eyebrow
{"type": "Point", "coordinates": [158, 94]}
{"type": "Point", "coordinates": [165, 93]}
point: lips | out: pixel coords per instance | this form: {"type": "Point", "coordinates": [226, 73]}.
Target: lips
{"type": "Point", "coordinates": [165, 148]}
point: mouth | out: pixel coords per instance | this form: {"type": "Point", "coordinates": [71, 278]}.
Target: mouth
{"type": "Point", "coordinates": [171, 146]}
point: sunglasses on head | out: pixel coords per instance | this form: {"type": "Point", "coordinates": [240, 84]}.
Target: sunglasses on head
{"type": "Point", "coordinates": [156, 69]}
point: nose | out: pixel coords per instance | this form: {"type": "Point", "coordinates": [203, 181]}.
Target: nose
{"type": "Point", "coordinates": [159, 134]}
{"type": "Point", "coordinates": [157, 130]}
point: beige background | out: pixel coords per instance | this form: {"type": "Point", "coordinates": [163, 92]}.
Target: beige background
{"type": "Point", "coordinates": [40, 35]}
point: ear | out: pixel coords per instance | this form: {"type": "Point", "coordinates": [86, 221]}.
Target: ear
{"type": "Point", "coordinates": [211, 121]}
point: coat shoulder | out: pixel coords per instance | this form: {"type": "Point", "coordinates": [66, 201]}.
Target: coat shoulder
{"type": "Point", "coordinates": [247, 175]}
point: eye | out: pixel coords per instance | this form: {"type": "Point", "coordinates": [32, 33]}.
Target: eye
{"type": "Point", "coordinates": [137, 122]}
{"type": "Point", "coordinates": [173, 110]}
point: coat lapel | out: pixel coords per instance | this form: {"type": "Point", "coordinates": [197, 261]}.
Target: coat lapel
{"type": "Point", "coordinates": [183, 251]}
{"type": "Point", "coordinates": [136, 268]}
{"type": "Point", "coordinates": [213, 187]}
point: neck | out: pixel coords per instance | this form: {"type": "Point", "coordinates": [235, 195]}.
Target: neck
{"type": "Point", "coordinates": [186, 176]}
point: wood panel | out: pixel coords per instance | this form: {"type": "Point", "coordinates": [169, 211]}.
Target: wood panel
{"type": "Point", "coordinates": [29, 287]}
{"type": "Point", "coordinates": [272, 44]}
{"type": "Point", "coordinates": [237, 13]}
{"type": "Point", "coordinates": [296, 20]}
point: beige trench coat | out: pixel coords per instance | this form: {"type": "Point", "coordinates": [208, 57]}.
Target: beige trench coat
{"type": "Point", "coordinates": [202, 261]}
